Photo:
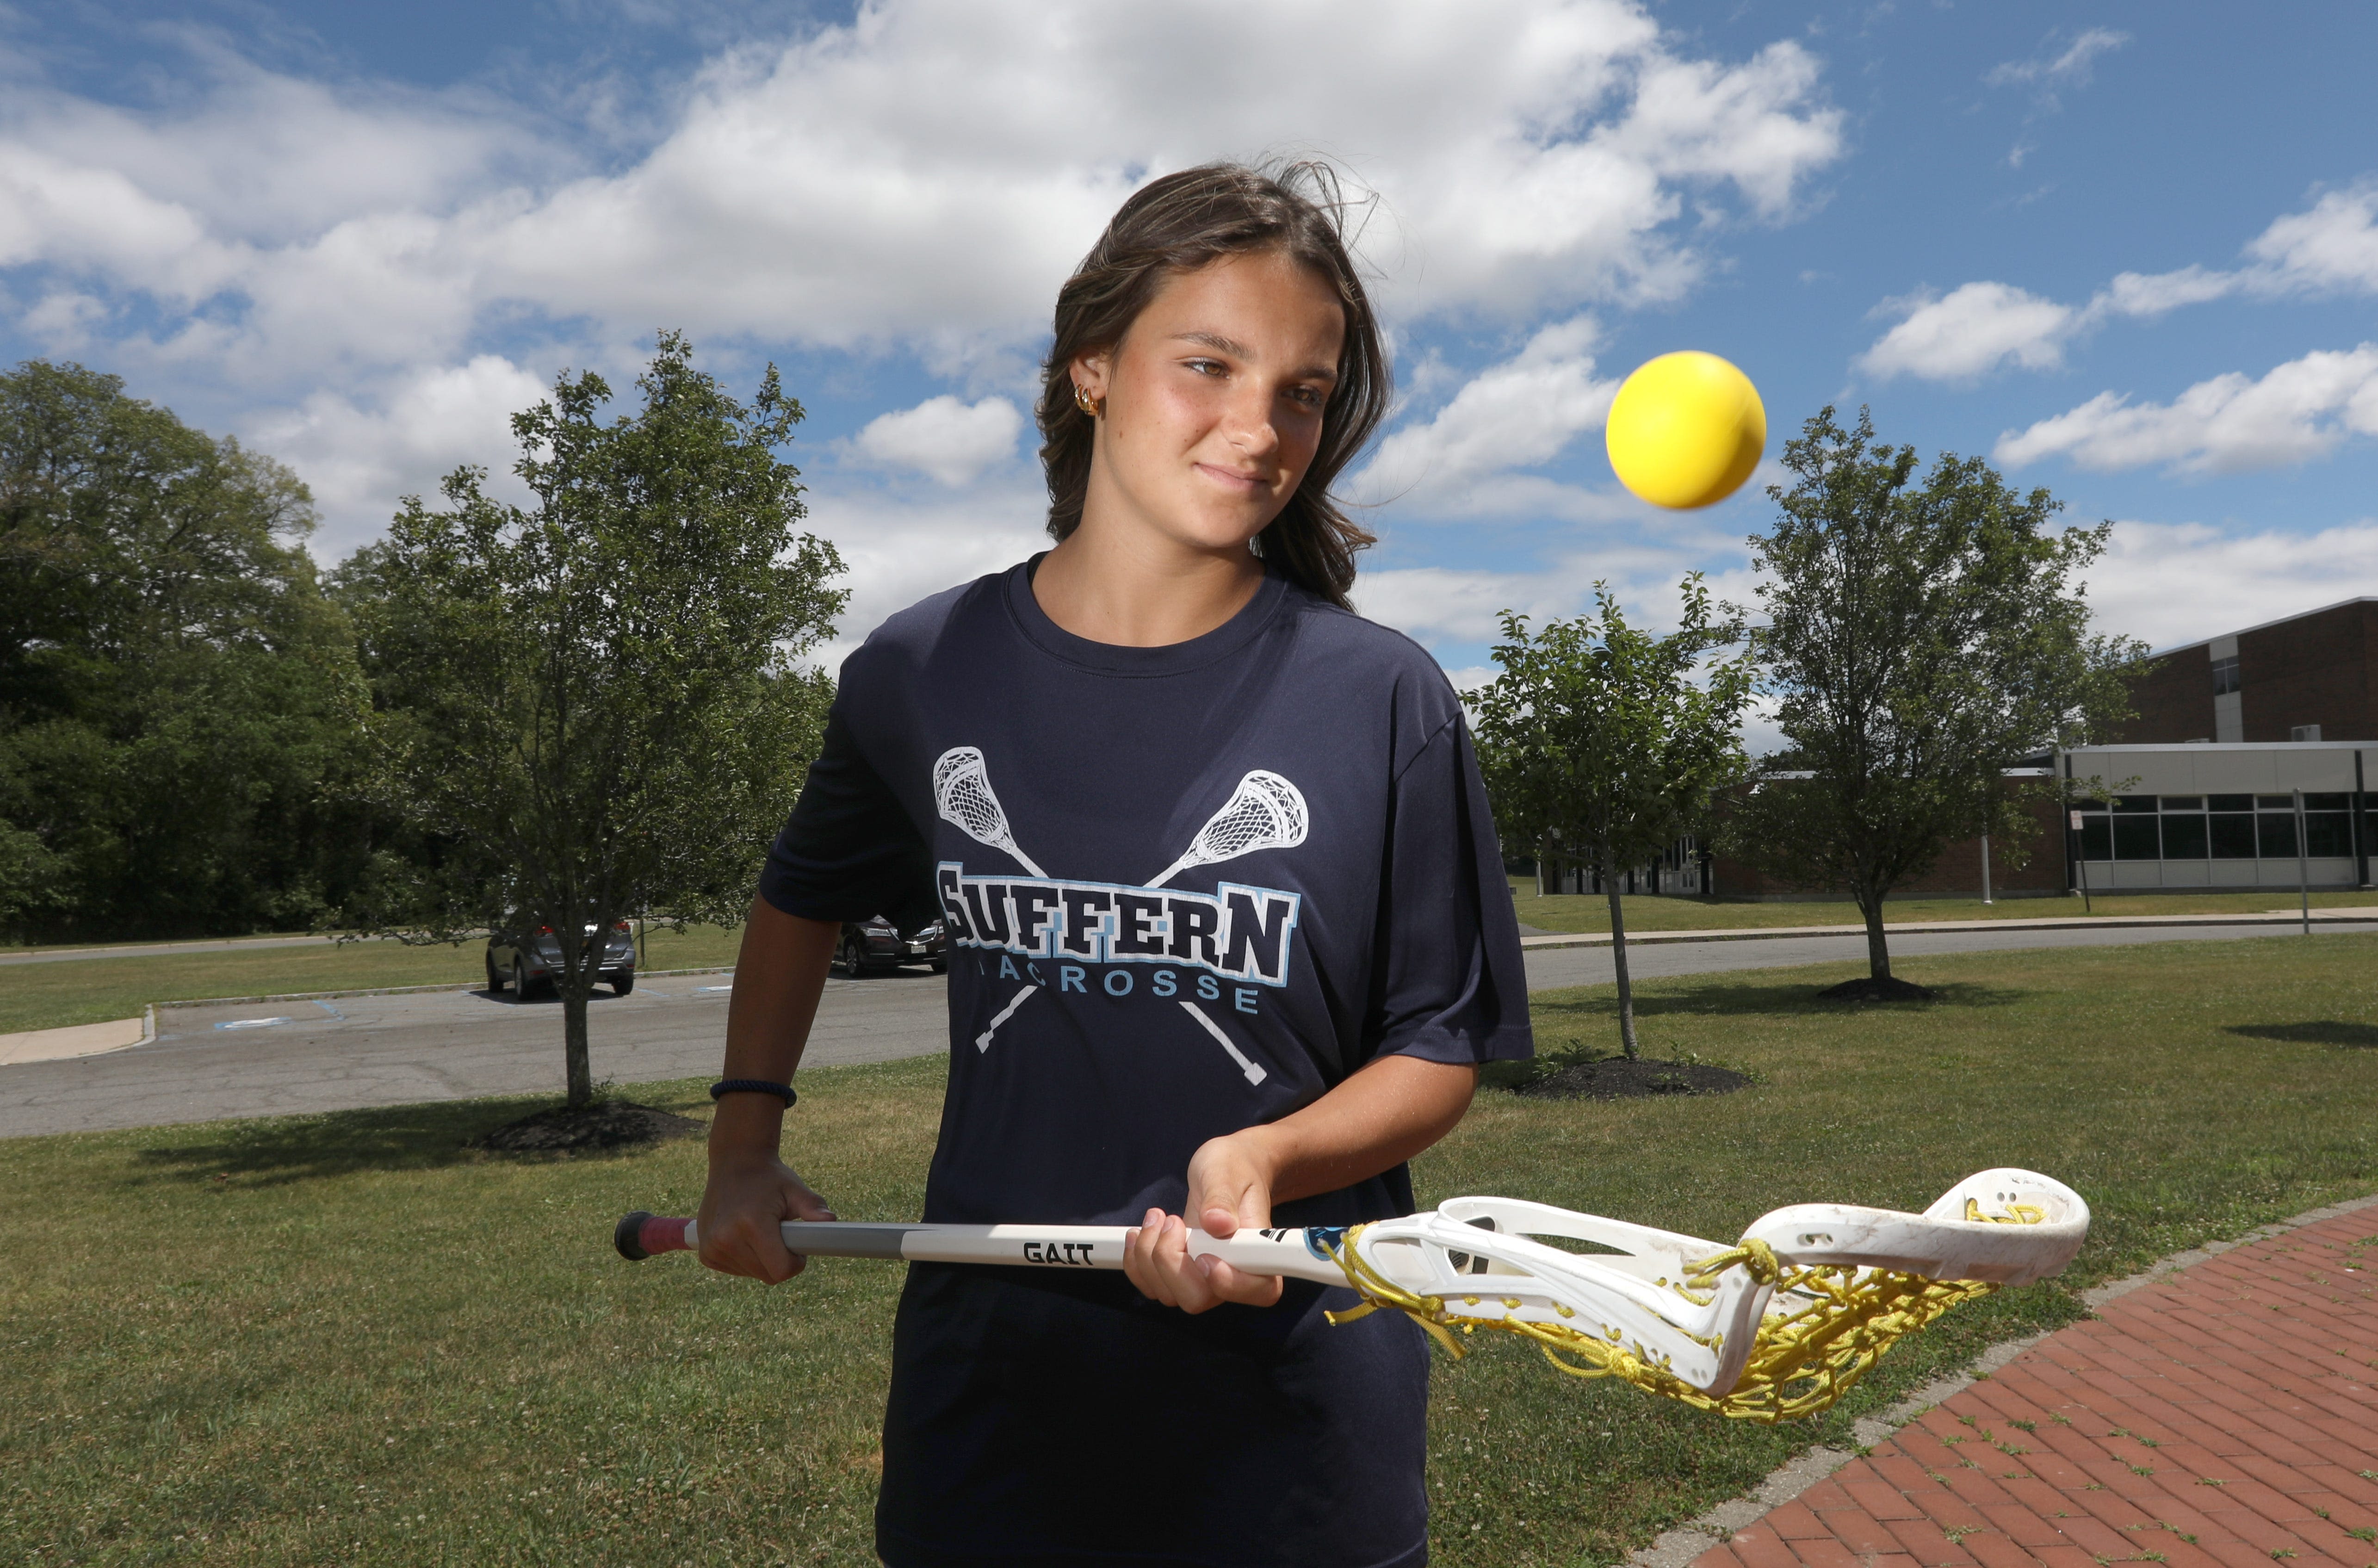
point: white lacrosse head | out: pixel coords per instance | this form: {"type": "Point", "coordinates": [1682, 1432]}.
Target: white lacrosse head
{"type": "Point", "coordinates": [1266, 812]}
{"type": "Point", "coordinates": [1478, 1259]}
{"type": "Point", "coordinates": [963, 797]}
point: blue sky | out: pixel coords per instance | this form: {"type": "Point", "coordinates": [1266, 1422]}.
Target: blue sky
{"type": "Point", "coordinates": [2130, 251]}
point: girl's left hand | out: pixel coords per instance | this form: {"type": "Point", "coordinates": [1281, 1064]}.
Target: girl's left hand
{"type": "Point", "coordinates": [1230, 1186]}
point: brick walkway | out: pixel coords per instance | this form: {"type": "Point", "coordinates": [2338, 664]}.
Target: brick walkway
{"type": "Point", "coordinates": [2224, 1415]}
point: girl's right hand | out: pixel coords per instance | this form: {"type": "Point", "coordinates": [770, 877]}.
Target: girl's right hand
{"type": "Point", "coordinates": [745, 1202]}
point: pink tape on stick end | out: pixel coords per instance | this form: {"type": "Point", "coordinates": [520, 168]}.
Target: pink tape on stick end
{"type": "Point", "coordinates": [642, 1234]}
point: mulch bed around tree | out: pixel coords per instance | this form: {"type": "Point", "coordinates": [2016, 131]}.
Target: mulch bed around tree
{"type": "Point", "coordinates": [607, 1123]}
{"type": "Point", "coordinates": [1867, 988]}
{"type": "Point", "coordinates": [1618, 1078]}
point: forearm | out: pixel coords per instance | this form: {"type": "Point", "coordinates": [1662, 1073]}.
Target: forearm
{"type": "Point", "coordinates": [779, 974]}
{"type": "Point", "coordinates": [778, 977]}
{"type": "Point", "coordinates": [1389, 1112]}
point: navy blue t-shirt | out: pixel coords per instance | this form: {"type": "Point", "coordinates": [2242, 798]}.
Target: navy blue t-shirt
{"type": "Point", "coordinates": [1188, 890]}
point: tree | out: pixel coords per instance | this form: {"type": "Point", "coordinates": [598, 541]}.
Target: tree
{"type": "Point", "coordinates": [589, 707]}
{"type": "Point", "coordinates": [1599, 737]}
{"type": "Point", "coordinates": [176, 692]}
{"type": "Point", "coordinates": [1922, 637]}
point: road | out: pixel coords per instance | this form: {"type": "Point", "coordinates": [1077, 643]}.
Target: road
{"type": "Point", "coordinates": [268, 1060]}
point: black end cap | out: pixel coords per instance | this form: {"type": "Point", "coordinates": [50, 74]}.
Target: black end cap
{"type": "Point", "coordinates": [630, 1237]}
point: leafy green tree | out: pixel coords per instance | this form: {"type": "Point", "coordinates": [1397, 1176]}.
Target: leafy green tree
{"type": "Point", "coordinates": [1600, 738]}
{"type": "Point", "coordinates": [1922, 637]}
{"type": "Point", "coordinates": [589, 707]}
{"type": "Point", "coordinates": [176, 692]}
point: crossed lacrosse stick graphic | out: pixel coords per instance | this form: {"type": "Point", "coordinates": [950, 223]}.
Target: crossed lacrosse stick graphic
{"type": "Point", "coordinates": [1266, 812]}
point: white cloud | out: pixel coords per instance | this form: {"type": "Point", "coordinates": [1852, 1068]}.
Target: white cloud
{"type": "Point", "coordinates": [951, 441]}
{"type": "Point", "coordinates": [2069, 66]}
{"type": "Point", "coordinates": [1437, 604]}
{"type": "Point", "coordinates": [899, 550]}
{"type": "Point", "coordinates": [922, 175]}
{"type": "Point", "coordinates": [1517, 414]}
{"type": "Point", "coordinates": [2299, 410]}
{"type": "Point", "coordinates": [2149, 295]}
{"type": "Point", "coordinates": [1973, 330]}
{"type": "Point", "coordinates": [2333, 246]}
{"type": "Point", "coordinates": [1978, 327]}
{"type": "Point", "coordinates": [2172, 584]}
{"type": "Point", "coordinates": [359, 454]}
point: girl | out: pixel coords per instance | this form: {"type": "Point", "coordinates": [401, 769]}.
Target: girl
{"type": "Point", "coordinates": [1229, 936]}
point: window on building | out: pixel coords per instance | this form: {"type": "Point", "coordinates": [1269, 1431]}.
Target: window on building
{"type": "Point", "coordinates": [2275, 802]}
{"type": "Point", "coordinates": [2232, 833]}
{"type": "Point", "coordinates": [2134, 802]}
{"type": "Point", "coordinates": [2183, 803]}
{"type": "Point", "coordinates": [2304, 733]}
{"type": "Point", "coordinates": [2225, 676]}
{"type": "Point", "coordinates": [2135, 838]}
{"type": "Point", "coordinates": [2183, 836]}
{"type": "Point", "coordinates": [2097, 837]}
{"type": "Point", "coordinates": [2338, 802]}
{"type": "Point", "coordinates": [2230, 802]}
{"type": "Point", "coordinates": [2327, 832]}
{"type": "Point", "coordinates": [2274, 833]}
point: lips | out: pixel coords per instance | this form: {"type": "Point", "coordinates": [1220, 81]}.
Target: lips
{"type": "Point", "coordinates": [1235, 481]}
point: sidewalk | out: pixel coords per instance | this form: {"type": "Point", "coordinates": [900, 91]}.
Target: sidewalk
{"type": "Point", "coordinates": [2365, 914]}
{"type": "Point", "coordinates": [2223, 1415]}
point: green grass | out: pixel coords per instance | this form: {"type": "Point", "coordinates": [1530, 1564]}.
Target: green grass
{"type": "Point", "coordinates": [1591, 911]}
{"type": "Point", "coordinates": [72, 991]}
{"type": "Point", "coordinates": [340, 1338]}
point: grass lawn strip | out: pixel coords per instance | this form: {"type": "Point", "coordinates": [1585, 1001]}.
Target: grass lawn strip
{"type": "Point", "coordinates": [1590, 912]}
{"type": "Point", "coordinates": [342, 1338]}
{"type": "Point", "coordinates": [54, 995]}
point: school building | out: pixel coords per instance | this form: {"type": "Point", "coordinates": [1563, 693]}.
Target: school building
{"type": "Point", "coordinates": [2249, 767]}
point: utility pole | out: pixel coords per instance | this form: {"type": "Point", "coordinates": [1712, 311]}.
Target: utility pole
{"type": "Point", "coordinates": [1985, 870]}
{"type": "Point", "coordinates": [2303, 865]}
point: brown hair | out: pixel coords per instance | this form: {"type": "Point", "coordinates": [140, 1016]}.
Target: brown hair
{"type": "Point", "coordinates": [1177, 224]}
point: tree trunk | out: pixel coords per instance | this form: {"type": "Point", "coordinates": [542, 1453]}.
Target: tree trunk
{"type": "Point", "coordinates": [1877, 950]}
{"type": "Point", "coordinates": [1618, 960]}
{"type": "Point", "coordinates": [573, 1046]}
{"type": "Point", "coordinates": [574, 983]}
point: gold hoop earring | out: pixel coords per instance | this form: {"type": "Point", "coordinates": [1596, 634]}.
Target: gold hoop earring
{"type": "Point", "coordinates": [1086, 403]}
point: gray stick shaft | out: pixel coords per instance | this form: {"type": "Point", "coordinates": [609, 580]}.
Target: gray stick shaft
{"type": "Point", "coordinates": [1287, 1252]}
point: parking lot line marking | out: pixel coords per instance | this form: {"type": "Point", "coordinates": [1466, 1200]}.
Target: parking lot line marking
{"type": "Point", "coordinates": [249, 1023]}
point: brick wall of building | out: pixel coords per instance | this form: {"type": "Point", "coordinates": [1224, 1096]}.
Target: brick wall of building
{"type": "Point", "coordinates": [2312, 670]}
{"type": "Point", "coordinates": [1957, 874]}
{"type": "Point", "coordinates": [2174, 702]}
{"type": "Point", "coordinates": [2317, 669]}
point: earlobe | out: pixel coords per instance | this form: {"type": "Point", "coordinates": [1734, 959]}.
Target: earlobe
{"type": "Point", "coordinates": [1089, 371]}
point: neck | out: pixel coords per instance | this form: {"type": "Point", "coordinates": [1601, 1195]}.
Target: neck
{"type": "Point", "coordinates": [1141, 593]}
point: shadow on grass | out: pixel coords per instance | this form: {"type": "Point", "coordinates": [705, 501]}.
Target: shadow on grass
{"type": "Point", "coordinates": [397, 1138]}
{"type": "Point", "coordinates": [2352, 1037]}
{"type": "Point", "coordinates": [1732, 999]}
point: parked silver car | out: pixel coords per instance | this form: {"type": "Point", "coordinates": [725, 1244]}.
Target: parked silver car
{"type": "Point", "coordinates": [527, 961]}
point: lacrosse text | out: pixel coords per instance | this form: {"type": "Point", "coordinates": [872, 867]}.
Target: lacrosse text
{"type": "Point", "coordinates": [1063, 1253]}
{"type": "Point", "coordinates": [1237, 932]}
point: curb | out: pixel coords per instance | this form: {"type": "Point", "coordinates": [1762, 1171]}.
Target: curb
{"type": "Point", "coordinates": [382, 991]}
{"type": "Point", "coordinates": [1944, 927]}
{"type": "Point", "coordinates": [1678, 1547]}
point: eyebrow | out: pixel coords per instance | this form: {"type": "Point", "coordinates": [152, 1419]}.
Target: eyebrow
{"type": "Point", "coordinates": [1222, 344]}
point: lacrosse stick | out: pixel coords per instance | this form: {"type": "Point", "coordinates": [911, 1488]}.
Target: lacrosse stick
{"type": "Point", "coordinates": [1778, 1326]}
{"type": "Point", "coordinates": [1266, 812]}
{"type": "Point", "coordinates": [962, 796]}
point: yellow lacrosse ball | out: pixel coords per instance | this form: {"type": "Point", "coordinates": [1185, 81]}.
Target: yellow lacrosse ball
{"type": "Point", "coordinates": [1685, 430]}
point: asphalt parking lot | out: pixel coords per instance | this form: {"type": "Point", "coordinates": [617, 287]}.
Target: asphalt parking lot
{"type": "Point", "coordinates": [287, 1057]}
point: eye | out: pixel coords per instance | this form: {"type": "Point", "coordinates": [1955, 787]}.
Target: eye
{"type": "Point", "coordinates": [1208, 367]}
{"type": "Point", "coordinates": [1309, 397]}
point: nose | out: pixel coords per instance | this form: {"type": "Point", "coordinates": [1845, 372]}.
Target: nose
{"type": "Point", "coordinates": [1250, 426]}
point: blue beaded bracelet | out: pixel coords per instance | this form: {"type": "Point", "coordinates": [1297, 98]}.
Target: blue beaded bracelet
{"type": "Point", "coordinates": [754, 1086]}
